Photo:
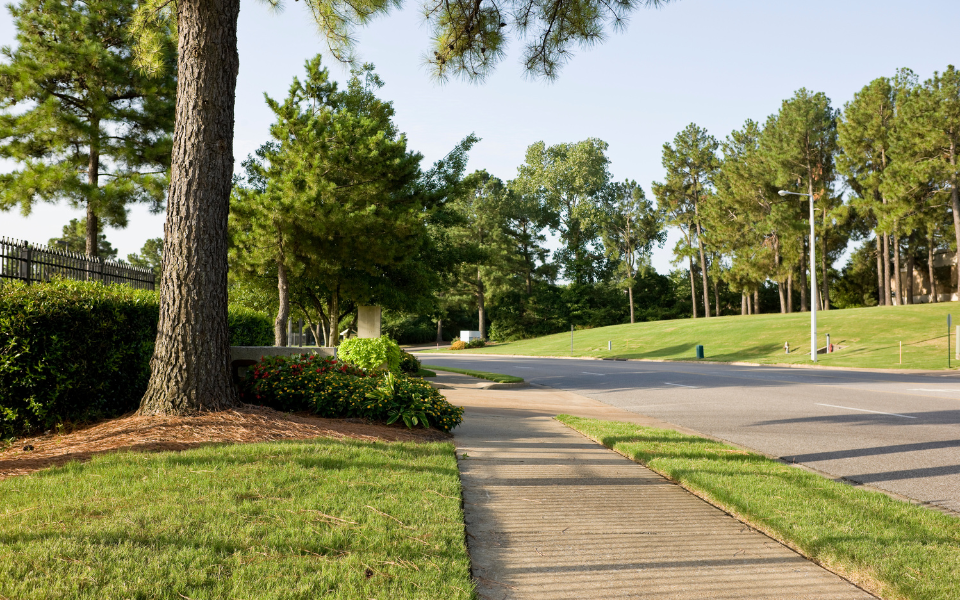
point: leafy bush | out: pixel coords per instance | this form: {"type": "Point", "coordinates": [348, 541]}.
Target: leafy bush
{"type": "Point", "coordinates": [478, 343]}
{"type": "Point", "coordinates": [371, 353]}
{"type": "Point", "coordinates": [458, 345]}
{"type": "Point", "coordinates": [74, 351]}
{"type": "Point", "coordinates": [409, 363]}
{"type": "Point", "coordinates": [249, 327]}
{"type": "Point", "coordinates": [332, 388]}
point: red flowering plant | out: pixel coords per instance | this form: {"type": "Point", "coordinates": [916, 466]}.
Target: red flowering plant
{"type": "Point", "coordinates": [292, 383]}
{"type": "Point", "coordinates": [335, 389]}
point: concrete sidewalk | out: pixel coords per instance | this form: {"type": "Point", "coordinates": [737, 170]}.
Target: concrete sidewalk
{"type": "Point", "coordinates": [553, 515]}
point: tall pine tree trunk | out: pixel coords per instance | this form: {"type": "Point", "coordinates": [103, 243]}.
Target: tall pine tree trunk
{"type": "Point", "coordinates": [898, 296]}
{"type": "Point", "coordinates": [439, 331]}
{"type": "Point", "coordinates": [716, 297]}
{"type": "Point", "coordinates": [190, 367]}
{"type": "Point", "coordinates": [790, 293]}
{"type": "Point", "coordinates": [481, 307]}
{"type": "Point", "coordinates": [283, 308]}
{"type": "Point", "coordinates": [930, 274]}
{"type": "Point", "coordinates": [630, 295]}
{"type": "Point", "coordinates": [803, 276]}
{"type": "Point", "coordinates": [93, 179]}
{"type": "Point", "coordinates": [693, 287]}
{"type": "Point", "coordinates": [756, 302]}
{"type": "Point", "coordinates": [743, 303]}
{"type": "Point", "coordinates": [703, 272]}
{"type": "Point", "coordinates": [824, 280]}
{"type": "Point", "coordinates": [908, 299]}
{"type": "Point", "coordinates": [880, 298]}
{"type": "Point", "coordinates": [887, 295]}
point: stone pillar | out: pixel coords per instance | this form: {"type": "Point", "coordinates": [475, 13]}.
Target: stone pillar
{"type": "Point", "coordinates": [368, 322]}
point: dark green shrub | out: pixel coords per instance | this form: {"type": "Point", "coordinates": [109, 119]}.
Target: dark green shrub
{"type": "Point", "coordinates": [334, 389]}
{"type": "Point", "coordinates": [73, 351]}
{"type": "Point", "coordinates": [478, 343]}
{"type": "Point", "coordinates": [249, 327]}
{"type": "Point", "coordinates": [409, 363]}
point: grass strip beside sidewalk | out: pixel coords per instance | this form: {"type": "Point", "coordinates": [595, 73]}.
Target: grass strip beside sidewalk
{"type": "Point", "coordinates": [892, 548]}
{"type": "Point", "coordinates": [295, 519]}
{"type": "Point", "coordinates": [497, 377]}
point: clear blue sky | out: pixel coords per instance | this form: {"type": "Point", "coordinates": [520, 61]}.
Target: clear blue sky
{"type": "Point", "coordinates": [712, 63]}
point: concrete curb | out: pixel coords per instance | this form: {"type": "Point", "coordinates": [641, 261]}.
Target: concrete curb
{"type": "Point", "coordinates": [952, 371]}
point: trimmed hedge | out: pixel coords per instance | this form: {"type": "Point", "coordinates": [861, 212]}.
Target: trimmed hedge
{"type": "Point", "coordinates": [73, 351]}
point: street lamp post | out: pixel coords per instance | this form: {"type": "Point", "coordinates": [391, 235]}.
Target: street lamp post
{"type": "Point", "coordinates": [813, 277]}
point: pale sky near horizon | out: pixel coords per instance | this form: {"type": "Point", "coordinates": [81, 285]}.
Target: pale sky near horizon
{"type": "Point", "coordinates": [712, 63]}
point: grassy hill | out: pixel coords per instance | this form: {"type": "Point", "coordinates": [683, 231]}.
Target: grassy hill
{"type": "Point", "coordinates": [869, 337]}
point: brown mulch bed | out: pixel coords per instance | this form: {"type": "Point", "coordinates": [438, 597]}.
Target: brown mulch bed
{"type": "Point", "coordinates": [155, 434]}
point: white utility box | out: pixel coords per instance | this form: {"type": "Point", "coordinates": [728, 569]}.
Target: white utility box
{"type": "Point", "coordinates": [469, 336]}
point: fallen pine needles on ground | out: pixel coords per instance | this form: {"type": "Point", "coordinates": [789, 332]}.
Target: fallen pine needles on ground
{"type": "Point", "coordinates": [890, 547]}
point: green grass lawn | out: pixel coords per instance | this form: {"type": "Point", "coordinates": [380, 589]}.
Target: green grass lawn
{"type": "Point", "coordinates": [870, 338]}
{"type": "Point", "coordinates": [496, 377]}
{"type": "Point", "coordinates": [891, 547]}
{"type": "Point", "coordinates": [299, 519]}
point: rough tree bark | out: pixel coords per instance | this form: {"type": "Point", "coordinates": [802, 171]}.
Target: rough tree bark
{"type": "Point", "coordinates": [880, 298]}
{"type": "Point", "coordinates": [887, 295]}
{"type": "Point", "coordinates": [693, 287]}
{"type": "Point", "coordinates": [480, 306]}
{"type": "Point", "coordinates": [803, 276]}
{"type": "Point", "coordinates": [898, 296]}
{"type": "Point", "coordinates": [283, 311]}
{"type": "Point", "coordinates": [190, 370]}
{"type": "Point", "coordinates": [930, 273]}
{"type": "Point", "coordinates": [93, 178]}
{"type": "Point", "coordinates": [756, 302]}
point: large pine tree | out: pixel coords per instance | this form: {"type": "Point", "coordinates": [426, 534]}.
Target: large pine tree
{"type": "Point", "coordinates": [83, 123]}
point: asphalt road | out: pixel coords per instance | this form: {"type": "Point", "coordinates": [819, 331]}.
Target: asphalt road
{"type": "Point", "coordinates": [898, 432]}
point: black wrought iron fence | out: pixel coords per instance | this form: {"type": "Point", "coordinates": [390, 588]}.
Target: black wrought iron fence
{"type": "Point", "coordinates": [33, 262]}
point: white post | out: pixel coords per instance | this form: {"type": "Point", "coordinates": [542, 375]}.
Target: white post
{"type": "Point", "coordinates": [813, 287]}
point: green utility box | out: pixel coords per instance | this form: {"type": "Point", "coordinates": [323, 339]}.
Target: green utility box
{"type": "Point", "coordinates": [700, 351]}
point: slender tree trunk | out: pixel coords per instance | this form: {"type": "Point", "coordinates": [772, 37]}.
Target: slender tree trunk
{"type": "Point", "coordinates": [887, 295]}
{"type": "Point", "coordinates": [898, 284]}
{"type": "Point", "coordinates": [716, 297]}
{"type": "Point", "coordinates": [333, 309]}
{"type": "Point", "coordinates": [825, 279]}
{"type": "Point", "coordinates": [756, 302]}
{"type": "Point", "coordinates": [93, 179]}
{"type": "Point", "coordinates": [439, 331]}
{"type": "Point", "coordinates": [908, 299]}
{"type": "Point", "coordinates": [693, 288]}
{"type": "Point", "coordinates": [481, 307]}
{"type": "Point", "coordinates": [790, 293]}
{"type": "Point", "coordinates": [803, 276]}
{"type": "Point", "coordinates": [750, 309]}
{"type": "Point", "coordinates": [743, 304]}
{"type": "Point", "coordinates": [880, 298]}
{"type": "Point", "coordinates": [703, 273]}
{"type": "Point", "coordinates": [190, 367]}
{"type": "Point", "coordinates": [930, 274]}
{"type": "Point", "coordinates": [955, 204]}
{"type": "Point", "coordinates": [630, 295]}
{"type": "Point", "coordinates": [283, 310]}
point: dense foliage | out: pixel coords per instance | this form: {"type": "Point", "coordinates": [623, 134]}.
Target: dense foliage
{"type": "Point", "coordinates": [74, 351]}
{"type": "Point", "coordinates": [371, 354]}
{"type": "Point", "coordinates": [333, 388]}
